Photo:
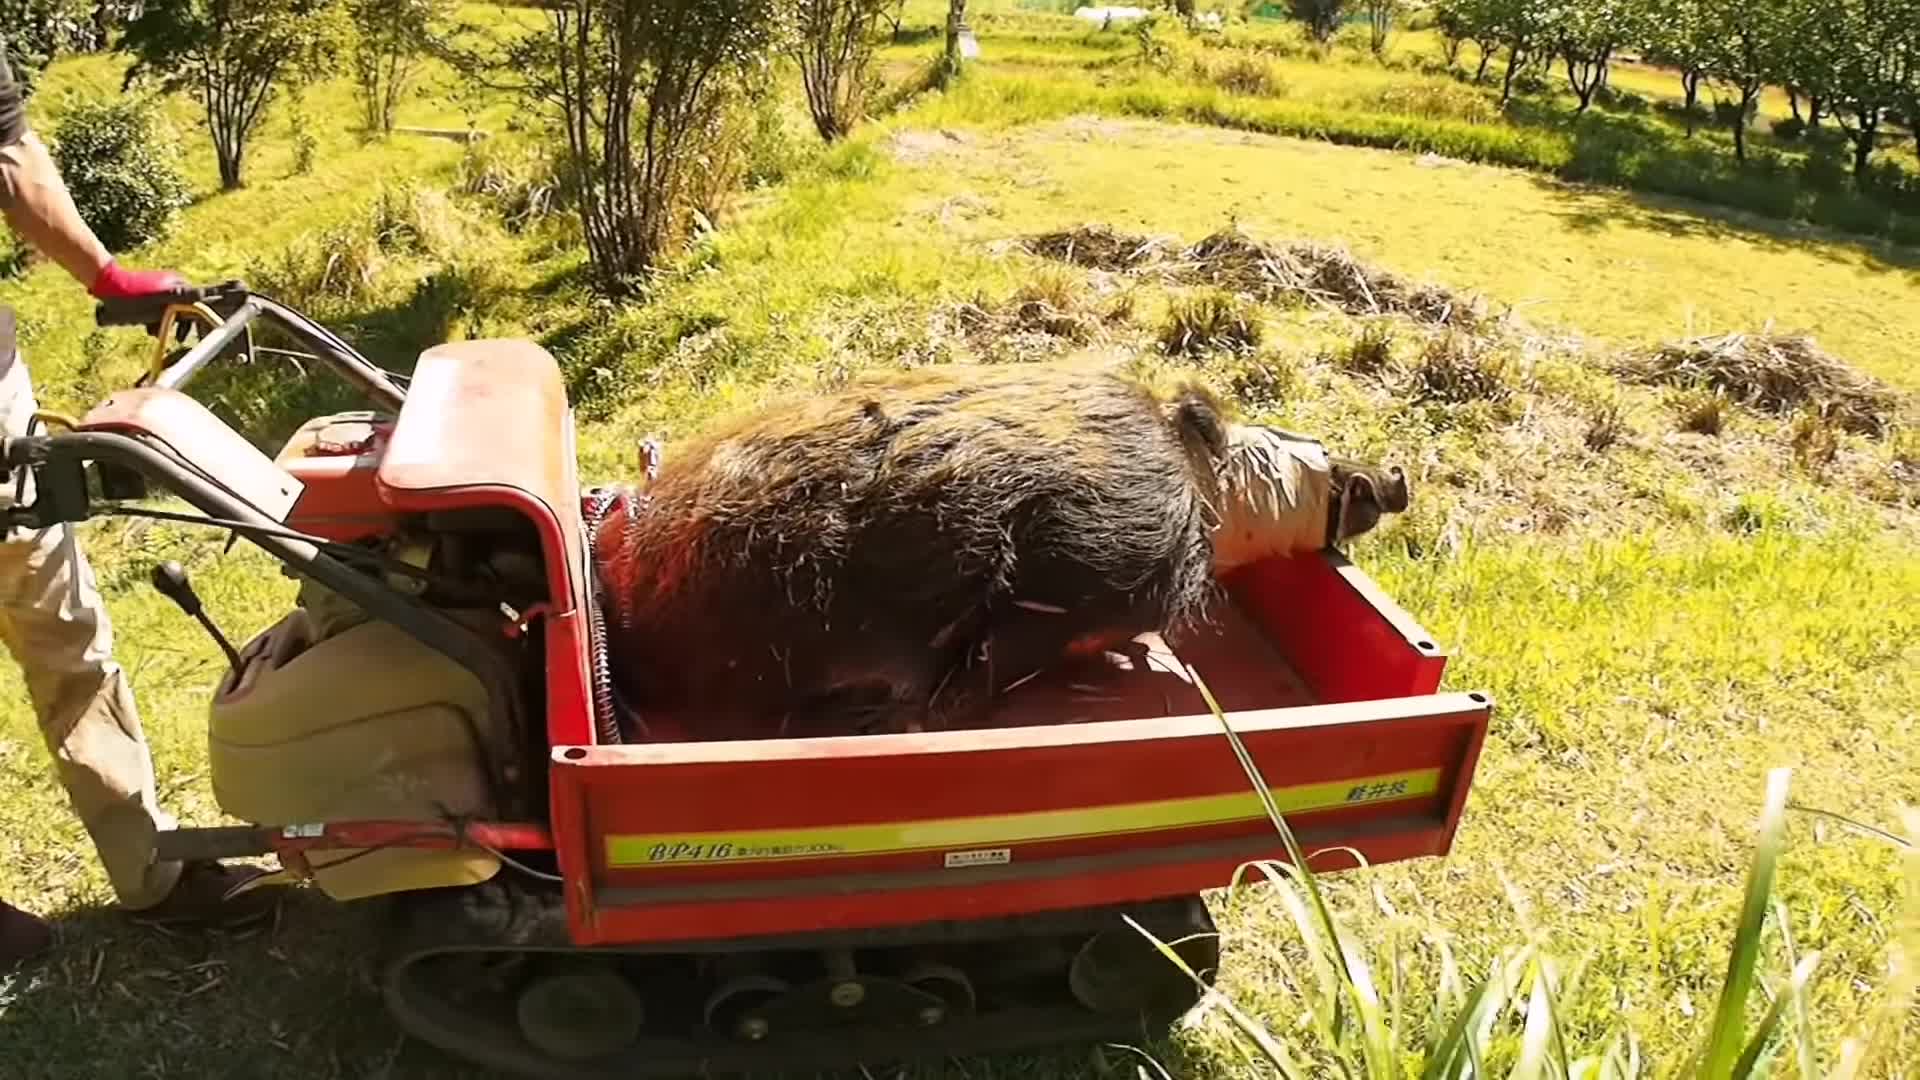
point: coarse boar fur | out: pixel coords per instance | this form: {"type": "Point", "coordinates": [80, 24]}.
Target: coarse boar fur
{"type": "Point", "coordinates": [892, 555]}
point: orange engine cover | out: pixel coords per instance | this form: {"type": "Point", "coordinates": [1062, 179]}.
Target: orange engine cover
{"type": "Point", "coordinates": [337, 457]}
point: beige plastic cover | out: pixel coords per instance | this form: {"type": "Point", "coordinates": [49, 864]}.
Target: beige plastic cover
{"type": "Point", "coordinates": [367, 724]}
{"type": "Point", "coordinates": [1274, 490]}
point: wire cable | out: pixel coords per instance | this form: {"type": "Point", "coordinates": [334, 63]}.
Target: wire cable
{"type": "Point", "coordinates": [332, 547]}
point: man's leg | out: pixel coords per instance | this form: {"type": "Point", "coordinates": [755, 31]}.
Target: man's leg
{"type": "Point", "coordinates": [55, 625]}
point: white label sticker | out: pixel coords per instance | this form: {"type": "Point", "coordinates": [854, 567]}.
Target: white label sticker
{"type": "Point", "coordinates": [983, 857]}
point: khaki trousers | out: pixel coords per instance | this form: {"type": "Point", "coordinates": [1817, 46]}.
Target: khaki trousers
{"type": "Point", "coordinates": [54, 623]}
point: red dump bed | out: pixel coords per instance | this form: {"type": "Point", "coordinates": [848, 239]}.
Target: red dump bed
{"type": "Point", "coordinates": [1102, 789]}
{"type": "Point", "coordinates": [1085, 790]}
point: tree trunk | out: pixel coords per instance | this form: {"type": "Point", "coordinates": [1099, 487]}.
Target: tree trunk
{"type": "Point", "coordinates": [1816, 110]}
{"type": "Point", "coordinates": [1586, 75]}
{"type": "Point", "coordinates": [1486, 55]}
{"type": "Point", "coordinates": [1690, 80]}
{"type": "Point", "coordinates": [956, 16]}
{"type": "Point", "coordinates": [1747, 97]}
{"type": "Point", "coordinates": [1864, 138]}
{"type": "Point", "coordinates": [1515, 59]}
{"type": "Point", "coordinates": [229, 154]}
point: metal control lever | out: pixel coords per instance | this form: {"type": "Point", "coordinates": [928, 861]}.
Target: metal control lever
{"type": "Point", "coordinates": [171, 579]}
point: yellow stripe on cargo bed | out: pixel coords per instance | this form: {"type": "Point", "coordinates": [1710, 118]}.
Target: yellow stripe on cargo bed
{"type": "Point", "coordinates": [993, 831]}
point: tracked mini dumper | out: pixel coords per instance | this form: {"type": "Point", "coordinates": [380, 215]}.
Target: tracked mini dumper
{"type": "Point", "coordinates": [579, 895]}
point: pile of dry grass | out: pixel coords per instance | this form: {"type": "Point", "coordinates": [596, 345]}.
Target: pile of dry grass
{"type": "Point", "coordinates": [1230, 259]}
{"type": "Point", "coordinates": [1050, 313]}
{"type": "Point", "coordinates": [1099, 247]}
{"type": "Point", "coordinates": [1323, 274]}
{"type": "Point", "coordinates": [1780, 374]}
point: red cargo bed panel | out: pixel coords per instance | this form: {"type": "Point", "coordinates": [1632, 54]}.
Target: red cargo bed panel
{"type": "Point", "coordinates": [681, 841]}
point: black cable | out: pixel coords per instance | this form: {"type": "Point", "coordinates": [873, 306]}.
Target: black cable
{"type": "Point", "coordinates": [460, 837]}
{"type": "Point", "coordinates": [332, 547]}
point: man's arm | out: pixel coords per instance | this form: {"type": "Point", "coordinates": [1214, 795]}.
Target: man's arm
{"type": "Point", "coordinates": [37, 204]}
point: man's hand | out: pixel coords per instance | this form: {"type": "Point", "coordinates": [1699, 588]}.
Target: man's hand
{"type": "Point", "coordinates": [118, 283]}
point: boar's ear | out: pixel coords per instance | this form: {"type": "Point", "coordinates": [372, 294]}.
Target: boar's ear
{"type": "Point", "coordinates": [1390, 490]}
{"type": "Point", "coordinates": [1196, 416]}
{"type": "Point", "coordinates": [1370, 494]}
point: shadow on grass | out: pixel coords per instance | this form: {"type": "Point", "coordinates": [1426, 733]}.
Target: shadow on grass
{"type": "Point", "coordinates": [298, 999]}
{"type": "Point", "coordinates": [1596, 207]}
{"type": "Point", "coordinates": [293, 999]}
{"type": "Point", "coordinates": [1625, 170]}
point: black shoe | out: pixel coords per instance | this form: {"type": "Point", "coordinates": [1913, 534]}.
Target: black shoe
{"type": "Point", "coordinates": [22, 936]}
{"type": "Point", "coordinates": [199, 899]}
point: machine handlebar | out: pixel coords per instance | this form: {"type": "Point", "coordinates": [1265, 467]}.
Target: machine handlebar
{"type": "Point", "coordinates": [148, 308]}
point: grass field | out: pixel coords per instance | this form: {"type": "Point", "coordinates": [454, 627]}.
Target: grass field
{"type": "Point", "coordinates": [1661, 615]}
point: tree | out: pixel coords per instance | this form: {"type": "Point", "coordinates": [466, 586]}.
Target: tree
{"type": "Point", "coordinates": [1863, 73]}
{"type": "Point", "coordinates": [956, 18]}
{"type": "Point", "coordinates": [39, 30]}
{"type": "Point", "coordinates": [1449, 19]}
{"type": "Point", "coordinates": [1323, 17]}
{"type": "Point", "coordinates": [1586, 33]}
{"type": "Point", "coordinates": [1684, 37]}
{"type": "Point", "coordinates": [390, 39]}
{"type": "Point", "coordinates": [1470, 20]}
{"type": "Point", "coordinates": [1380, 16]}
{"type": "Point", "coordinates": [834, 46]}
{"type": "Point", "coordinates": [1750, 48]}
{"type": "Point", "coordinates": [1910, 83]}
{"type": "Point", "coordinates": [233, 55]}
{"type": "Point", "coordinates": [642, 90]}
{"type": "Point", "coordinates": [1523, 27]}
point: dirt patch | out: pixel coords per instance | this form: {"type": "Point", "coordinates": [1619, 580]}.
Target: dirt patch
{"type": "Point", "coordinates": [920, 147]}
{"type": "Point", "coordinates": [1229, 259]}
{"type": "Point", "coordinates": [1779, 374]}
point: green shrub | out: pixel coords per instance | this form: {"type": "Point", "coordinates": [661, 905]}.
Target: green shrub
{"type": "Point", "coordinates": [1370, 352]}
{"type": "Point", "coordinates": [522, 184]}
{"type": "Point", "coordinates": [1435, 101]}
{"type": "Point", "coordinates": [326, 274]}
{"type": "Point", "coordinates": [122, 168]}
{"type": "Point", "coordinates": [1702, 410]}
{"type": "Point", "coordinates": [1625, 101]}
{"type": "Point", "coordinates": [1240, 73]}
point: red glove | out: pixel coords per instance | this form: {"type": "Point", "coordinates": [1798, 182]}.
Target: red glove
{"type": "Point", "coordinates": [116, 283]}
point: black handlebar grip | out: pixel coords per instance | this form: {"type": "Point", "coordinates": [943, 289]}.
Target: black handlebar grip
{"type": "Point", "coordinates": [146, 309]}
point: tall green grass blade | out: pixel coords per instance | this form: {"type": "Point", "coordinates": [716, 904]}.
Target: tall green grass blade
{"type": "Point", "coordinates": [1567, 990]}
{"type": "Point", "coordinates": [1758, 1051]}
{"type": "Point", "coordinates": [1534, 1038]}
{"type": "Point", "coordinates": [1144, 1056]}
{"type": "Point", "coordinates": [1722, 1050]}
{"type": "Point", "coordinates": [1803, 1025]}
{"type": "Point", "coordinates": [1354, 977]}
{"type": "Point", "coordinates": [1461, 1046]}
{"type": "Point", "coordinates": [1325, 1006]}
{"type": "Point", "coordinates": [1871, 1040]}
{"type": "Point", "coordinates": [1276, 1054]}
